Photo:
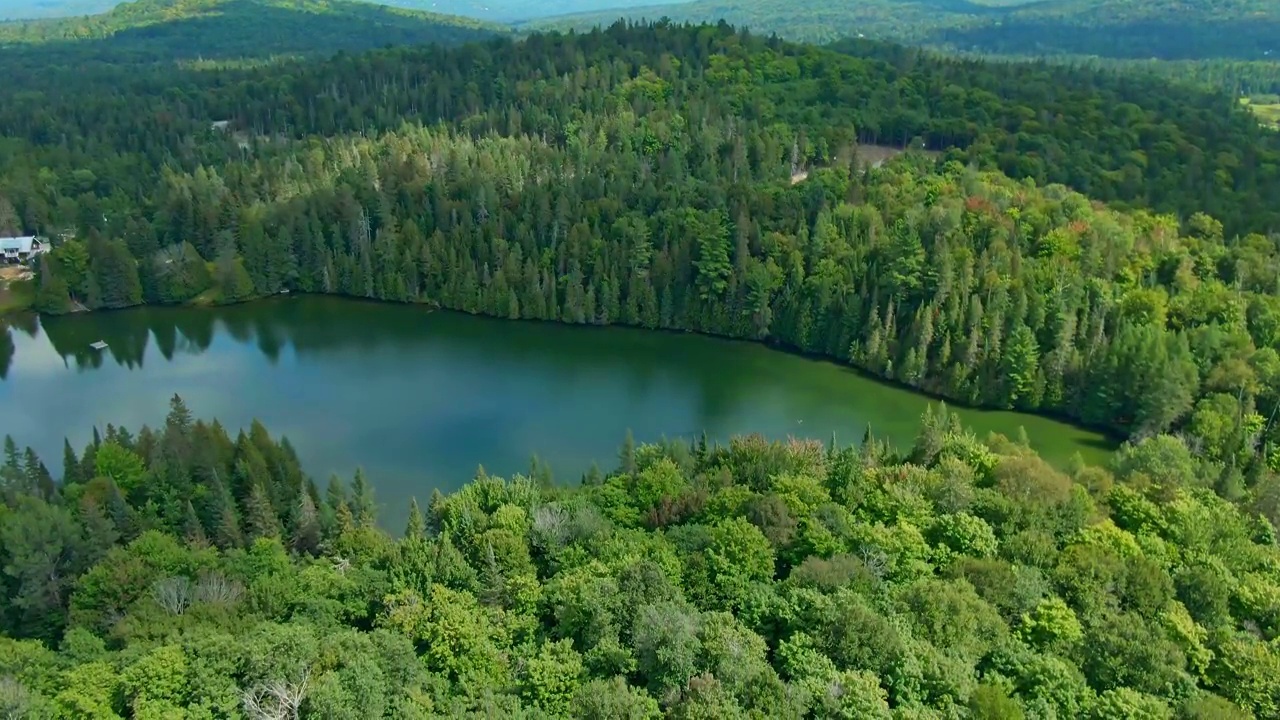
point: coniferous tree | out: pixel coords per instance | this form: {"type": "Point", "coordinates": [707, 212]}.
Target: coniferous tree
{"type": "Point", "coordinates": [306, 532]}
{"type": "Point", "coordinates": [227, 533]}
{"type": "Point", "coordinates": [100, 531]}
{"type": "Point", "coordinates": [363, 507]}
{"type": "Point", "coordinates": [192, 529]}
{"type": "Point", "coordinates": [335, 494]}
{"type": "Point", "coordinates": [260, 520]}
{"type": "Point", "coordinates": [416, 528]}
{"type": "Point", "coordinates": [628, 453]}
{"type": "Point", "coordinates": [71, 467]}
{"type": "Point", "coordinates": [121, 515]}
{"type": "Point", "coordinates": [344, 520]}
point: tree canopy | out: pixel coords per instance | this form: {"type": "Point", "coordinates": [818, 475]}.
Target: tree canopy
{"type": "Point", "coordinates": [180, 572]}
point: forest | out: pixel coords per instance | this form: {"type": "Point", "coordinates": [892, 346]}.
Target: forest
{"type": "Point", "coordinates": [181, 572]}
{"type": "Point", "coordinates": [703, 179]}
{"type": "Point", "coordinates": [1076, 240]}
{"type": "Point", "coordinates": [1138, 29]}
{"type": "Point", "coordinates": [165, 31]}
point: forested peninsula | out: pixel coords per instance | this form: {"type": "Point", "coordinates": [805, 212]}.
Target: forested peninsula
{"type": "Point", "coordinates": [181, 572]}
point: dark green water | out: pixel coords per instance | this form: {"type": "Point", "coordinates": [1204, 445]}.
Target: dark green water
{"type": "Point", "coordinates": [420, 399]}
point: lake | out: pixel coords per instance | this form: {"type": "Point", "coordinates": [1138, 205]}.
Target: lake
{"type": "Point", "coordinates": [421, 398]}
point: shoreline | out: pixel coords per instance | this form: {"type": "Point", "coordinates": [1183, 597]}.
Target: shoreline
{"type": "Point", "coordinates": [1110, 440]}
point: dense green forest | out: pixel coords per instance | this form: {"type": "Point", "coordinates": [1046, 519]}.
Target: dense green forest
{"type": "Point", "coordinates": [1140, 29]}
{"type": "Point", "coordinates": [29, 9]}
{"type": "Point", "coordinates": [181, 572]}
{"type": "Point", "coordinates": [816, 21]}
{"type": "Point", "coordinates": [518, 10]}
{"type": "Point", "coordinates": [652, 176]}
{"type": "Point", "coordinates": [165, 31]}
{"type": "Point", "coordinates": [493, 10]}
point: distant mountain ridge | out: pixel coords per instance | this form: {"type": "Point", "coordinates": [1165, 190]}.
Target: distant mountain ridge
{"type": "Point", "coordinates": [491, 10]}
{"type": "Point", "coordinates": [1167, 29]}
{"type": "Point", "coordinates": [179, 29]}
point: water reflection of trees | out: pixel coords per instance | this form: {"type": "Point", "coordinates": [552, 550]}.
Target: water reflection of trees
{"type": "Point", "coordinates": [6, 351]}
{"type": "Point", "coordinates": [325, 325]}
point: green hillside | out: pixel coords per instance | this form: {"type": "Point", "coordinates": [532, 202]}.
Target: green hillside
{"type": "Point", "coordinates": [812, 21]}
{"type": "Point", "coordinates": [493, 10]}
{"type": "Point", "coordinates": [516, 10]}
{"type": "Point", "coordinates": [1170, 29]}
{"type": "Point", "coordinates": [183, 29]}
{"type": "Point", "coordinates": [26, 9]}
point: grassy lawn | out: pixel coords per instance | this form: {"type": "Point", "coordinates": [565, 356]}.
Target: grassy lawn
{"type": "Point", "coordinates": [1266, 108]}
{"type": "Point", "coordinates": [16, 295]}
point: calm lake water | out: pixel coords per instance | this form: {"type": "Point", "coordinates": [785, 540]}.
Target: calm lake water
{"type": "Point", "coordinates": [420, 399]}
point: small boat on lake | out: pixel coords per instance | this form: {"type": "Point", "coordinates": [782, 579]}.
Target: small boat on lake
{"type": "Point", "coordinates": [100, 345]}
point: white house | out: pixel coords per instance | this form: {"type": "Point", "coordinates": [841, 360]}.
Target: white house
{"type": "Point", "coordinates": [21, 249]}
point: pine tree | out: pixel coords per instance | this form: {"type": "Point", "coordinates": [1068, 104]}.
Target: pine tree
{"type": "Point", "coordinates": [628, 455]}
{"type": "Point", "coordinates": [100, 532]}
{"type": "Point", "coordinates": [335, 495]}
{"type": "Point", "coordinates": [260, 517]}
{"type": "Point", "coordinates": [306, 535]}
{"type": "Point", "coordinates": [192, 529]}
{"type": "Point", "coordinates": [179, 417]}
{"type": "Point", "coordinates": [362, 502]}
{"type": "Point", "coordinates": [416, 529]}
{"type": "Point", "coordinates": [89, 462]}
{"type": "Point", "coordinates": [344, 522]}
{"type": "Point", "coordinates": [493, 582]}
{"type": "Point", "coordinates": [12, 459]}
{"type": "Point", "coordinates": [121, 515]}
{"type": "Point", "coordinates": [71, 474]}
{"type": "Point", "coordinates": [227, 534]}
{"type": "Point", "coordinates": [435, 512]}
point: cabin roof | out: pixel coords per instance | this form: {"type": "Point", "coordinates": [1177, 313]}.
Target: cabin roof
{"type": "Point", "coordinates": [21, 244]}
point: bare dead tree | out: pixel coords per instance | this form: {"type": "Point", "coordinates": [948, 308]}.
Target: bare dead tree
{"type": "Point", "coordinates": [174, 594]}
{"type": "Point", "coordinates": [550, 527]}
{"type": "Point", "coordinates": [876, 561]}
{"type": "Point", "coordinates": [15, 699]}
{"type": "Point", "coordinates": [216, 589]}
{"type": "Point", "coordinates": [276, 699]}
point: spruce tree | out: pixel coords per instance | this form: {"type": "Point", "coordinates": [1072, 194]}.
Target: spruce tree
{"type": "Point", "coordinates": [89, 462]}
{"type": "Point", "coordinates": [227, 534]}
{"type": "Point", "coordinates": [179, 418]}
{"type": "Point", "coordinates": [12, 459]}
{"type": "Point", "coordinates": [335, 495]}
{"type": "Point", "coordinates": [121, 515]}
{"type": "Point", "coordinates": [416, 528]}
{"type": "Point", "coordinates": [435, 511]}
{"type": "Point", "coordinates": [192, 529]}
{"type": "Point", "coordinates": [305, 534]}
{"type": "Point", "coordinates": [344, 522]}
{"type": "Point", "coordinates": [628, 454]}
{"type": "Point", "coordinates": [260, 517]}
{"type": "Point", "coordinates": [100, 532]}
{"type": "Point", "coordinates": [362, 502]}
{"type": "Point", "coordinates": [493, 582]}
{"type": "Point", "coordinates": [71, 469]}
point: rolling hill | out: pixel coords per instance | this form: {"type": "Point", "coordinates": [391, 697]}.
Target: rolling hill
{"type": "Point", "coordinates": [813, 21]}
{"type": "Point", "coordinates": [1166, 29]}
{"type": "Point", "coordinates": [31, 9]}
{"type": "Point", "coordinates": [167, 30]}
{"type": "Point", "coordinates": [493, 10]}
{"type": "Point", "coordinates": [518, 10]}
